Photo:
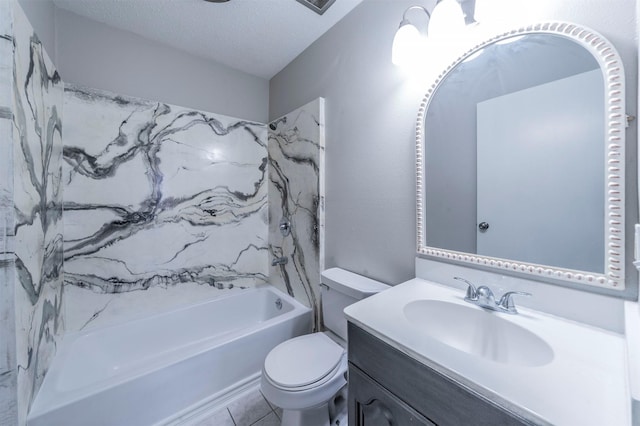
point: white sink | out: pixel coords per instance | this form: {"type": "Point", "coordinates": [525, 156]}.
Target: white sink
{"type": "Point", "coordinates": [478, 332]}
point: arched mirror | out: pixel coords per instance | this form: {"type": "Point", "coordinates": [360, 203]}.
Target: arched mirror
{"type": "Point", "coordinates": [520, 157]}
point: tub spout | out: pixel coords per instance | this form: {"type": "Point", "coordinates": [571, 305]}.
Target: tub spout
{"type": "Point", "coordinates": [279, 261]}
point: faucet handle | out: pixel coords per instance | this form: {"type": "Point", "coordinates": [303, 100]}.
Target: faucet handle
{"type": "Point", "coordinates": [485, 295]}
{"type": "Point", "coordinates": [506, 303]}
{"type": "Point", "coordinates": [472, 292]}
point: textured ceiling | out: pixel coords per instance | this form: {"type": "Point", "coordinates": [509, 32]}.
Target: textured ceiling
{"type": "Point", "coordinates": [259, 37]}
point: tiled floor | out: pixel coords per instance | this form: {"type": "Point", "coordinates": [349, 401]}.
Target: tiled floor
{"type": "Point", "coordinates": [250, 410]}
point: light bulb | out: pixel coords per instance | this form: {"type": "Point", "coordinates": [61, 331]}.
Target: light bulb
{"type": "Point", "coordinates": [406, 45]}
{"type": "Point", "coordinates": [447, 19]}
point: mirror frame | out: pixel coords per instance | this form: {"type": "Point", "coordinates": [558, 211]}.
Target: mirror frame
{"type": "Point", "coordinates": [615, 123]}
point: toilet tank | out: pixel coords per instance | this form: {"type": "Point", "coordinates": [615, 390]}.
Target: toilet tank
{"type": "Point", "coordinates": [339, 289]}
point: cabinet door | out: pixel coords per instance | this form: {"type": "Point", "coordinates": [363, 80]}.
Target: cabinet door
{"type": "Point", "coordinates": [372, 405]}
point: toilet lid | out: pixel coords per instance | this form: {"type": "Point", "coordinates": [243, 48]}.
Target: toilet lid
{"type": "Point", "coordinates": [303, 360]}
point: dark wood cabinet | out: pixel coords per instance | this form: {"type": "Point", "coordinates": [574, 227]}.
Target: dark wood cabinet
{"type": "Point", "coordinates": [372, 405]}
{"type": "Point", "coordinates": [387, 387]}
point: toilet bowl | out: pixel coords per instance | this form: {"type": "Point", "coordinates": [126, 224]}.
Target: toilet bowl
{"type": "Point", "coordinates": [307, 376]}
{"type": "Point", "coordinates": [302, 376]}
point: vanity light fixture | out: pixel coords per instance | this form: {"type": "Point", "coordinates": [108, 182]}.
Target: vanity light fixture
{"type": "Point", "coordinates": [448, 17]}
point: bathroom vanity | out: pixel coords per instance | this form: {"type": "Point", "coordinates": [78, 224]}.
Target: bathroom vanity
{"type": "Point", "coordinates": [407, 366]}
{"type": "Point", "coordinates": [384, 395]}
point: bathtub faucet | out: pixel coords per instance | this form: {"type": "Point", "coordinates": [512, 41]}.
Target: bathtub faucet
{"type": "Point", "coordinates": [279, 261]}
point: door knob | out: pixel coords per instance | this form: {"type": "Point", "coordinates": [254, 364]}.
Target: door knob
{"type": "Point", "coordinates": [483, 226]}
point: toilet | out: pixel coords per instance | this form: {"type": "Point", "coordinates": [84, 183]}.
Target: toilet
{"type": "Point", "coordinates": [306, 376]}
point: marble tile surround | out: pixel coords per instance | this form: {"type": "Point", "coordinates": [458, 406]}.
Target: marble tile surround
{"type": "Point", "coordinates": [296, 191]}
{"type": "Point", "coordinates": [8, 371]}
{"type": "Point", "coordinates": [158, 197]}
{"type": "Point", "coordinates": [6, 118]}
{"type": "Point", "coordinates": [36, 203]}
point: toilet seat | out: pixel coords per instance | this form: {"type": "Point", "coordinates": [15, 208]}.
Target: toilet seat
{"type": "Point", "coordinates": [304, 372]}
{"type": "Point", "coordinates": [304, 362]}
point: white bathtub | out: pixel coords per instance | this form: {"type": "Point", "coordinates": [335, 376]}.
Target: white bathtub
{"type": "Point", "coordinates": [155, 370]}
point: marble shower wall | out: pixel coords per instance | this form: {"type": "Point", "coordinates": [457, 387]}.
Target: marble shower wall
{"type": "Point", "coordinates": [8, 370]}
{"type": "Point", "coordinates": [30, 204]}
{"type": "Point", "coordinates": [163, 205]}
{"type": "Point", "coordinates": [296, 192]}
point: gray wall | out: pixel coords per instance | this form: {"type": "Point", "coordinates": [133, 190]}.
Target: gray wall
{"type": "Point", "coordinates": [41, 15]}
{"type": "Point", "coordinates": [92, 54]}
{"type": "Point", "coordinates": [96, 55]}
{"type": "Point", "coordinates": [371, 108]}
{"type": "Point", "coordinates": [370, 117]}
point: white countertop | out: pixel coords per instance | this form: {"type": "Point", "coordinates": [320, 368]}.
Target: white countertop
{"type": "Point", "coordinates": [585, 383]}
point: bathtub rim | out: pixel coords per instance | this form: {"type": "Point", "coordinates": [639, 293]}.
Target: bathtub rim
{"type": "Point", "coordinates": [58, 399]}
{"type": "Point", "coordinates": [183, 307]}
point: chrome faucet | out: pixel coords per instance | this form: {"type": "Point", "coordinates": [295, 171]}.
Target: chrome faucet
{"type": "Point", "coordinates": [483, 296]}
{"type": "Point", "coordinates": [279, 261]}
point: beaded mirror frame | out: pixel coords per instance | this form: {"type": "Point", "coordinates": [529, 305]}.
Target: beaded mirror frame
{"type": "Point", "coordinates": [615, 122]}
